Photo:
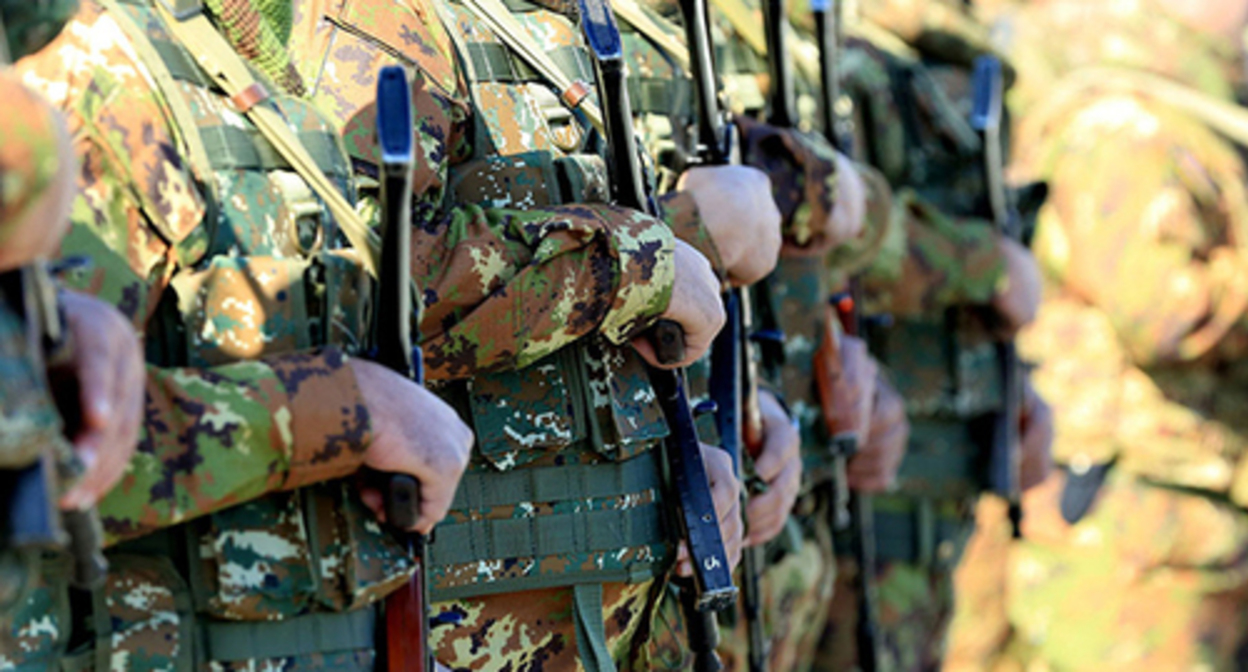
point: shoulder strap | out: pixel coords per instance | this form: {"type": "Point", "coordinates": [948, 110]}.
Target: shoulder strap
{"type": "Point", "coordinates": [657, 29]}
{"type": "Point", "coordinates": [748, 27]}
{"type": "Point", "coordinates": [573, 94]}
{"type": "Point", "coordinates": [230, 72]}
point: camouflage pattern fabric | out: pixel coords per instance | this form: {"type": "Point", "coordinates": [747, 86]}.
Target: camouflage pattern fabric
{"type": "Point", "coordinates": [241, 412]}
{"type": "Point", "coordinates": [534, 630]}
{"type": "Point", "coordinates": [1140, 348]}
{"type": "Point", "coordinates": [528, 292]}
{"type": "Point", "coordinates": [553, 273]}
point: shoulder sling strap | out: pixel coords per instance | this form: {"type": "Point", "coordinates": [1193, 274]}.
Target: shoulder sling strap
{"type": "Point", "coordinates": [227, 69]}
{"type": "Point", "coordinates": [573, 94]}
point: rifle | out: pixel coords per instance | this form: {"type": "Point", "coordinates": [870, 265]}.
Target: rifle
{"type": "Point", "coordinates": [1003, 464]}
{"type": "Point", "coordinates": [851, 510]}
{"type": "Point", "coordinates": [407, 623]}
{"type": "Point", "coordinates": [31, 519]}
{"type": "Point", "coordinates": [712, 588]}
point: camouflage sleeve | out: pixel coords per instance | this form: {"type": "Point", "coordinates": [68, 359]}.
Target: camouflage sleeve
{"type": "Point", "coordinates": [802, 168]}
{"type": "Point", "coordinates": [216, 437]}
{"type": "Point", "coordinates": [30, 136]}
{"type": "Point", "coordinates": [680, 211]}
{"type": "Point", "coordinates": [946, 262]}
{"type": "Point", "coordinates": [504, 288]}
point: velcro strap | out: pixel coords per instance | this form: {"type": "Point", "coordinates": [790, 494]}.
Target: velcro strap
{"type": "Point", "coordinates": [298, 636]}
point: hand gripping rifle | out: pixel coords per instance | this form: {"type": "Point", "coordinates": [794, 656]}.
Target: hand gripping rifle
{"type": "Point", "coordinates": [986, 116]}
{"type": "Point", "coordinates": [851, 510]}
{"type": "Point", "coordinates": [712, 588]}
{"type": "Point", "coordinates": [407, 623]}
{"type": "Point", "coordinates": [31, 519]}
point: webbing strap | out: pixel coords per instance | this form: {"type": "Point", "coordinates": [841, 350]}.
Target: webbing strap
{"type": "Point", "coordinates": [298, 636]}
{"type": "Point", "coordinates": [563, 533]}
{"type": "Point", "coordinates": [498, 17]}
{"type": "Point", "coordinates": [591, 633]}
{"type": "Point", "coordinates": [230, 72]}
{"type": "Point", "coordinates": [494, 62]}
{"type": "Point", "coordinates": [749, 27]}
{"type": "Point", "coordinates": [657, 29]}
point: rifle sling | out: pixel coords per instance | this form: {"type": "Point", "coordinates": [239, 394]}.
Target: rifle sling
{"type": "Point", "coordinates": [498, 17]}
{"type": "Point", "coordinates": [229, 71]}
{"type": "Point", "coordinates": [657, 29]}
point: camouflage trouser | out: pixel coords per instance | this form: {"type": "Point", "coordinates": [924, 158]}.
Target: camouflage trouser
{"type": "Point", "coordinates": [795, 591]}
{"type": "Point", "coordinates": [536, 629]}
{"type": "Point", "coordinates": [980, 631]}
{"type": "Point", "coordinates": [1151, 579]}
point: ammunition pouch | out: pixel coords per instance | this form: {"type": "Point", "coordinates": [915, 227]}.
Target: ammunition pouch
{"type": "Point", "coordinates": [565, 488]}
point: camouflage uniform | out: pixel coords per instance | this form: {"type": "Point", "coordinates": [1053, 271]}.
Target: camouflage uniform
{"type": "Point", "coordinates": [510, 209]}
{"type": "Point", "coordinates": [911, 107]}
{"type": "Point", "coordinates": [1140, 344]}
{"type": "Point", "coordinates": [236, 508]}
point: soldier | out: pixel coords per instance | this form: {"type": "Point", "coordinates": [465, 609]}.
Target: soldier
{"type": "Point", "coordinates": [511, 170]}
{"type": "Point", "coordinates": [238, 535]}
{"type": "Point", "coordinates": [907, 69]}
{"type": "Point", "coordinates": [1134, 550]}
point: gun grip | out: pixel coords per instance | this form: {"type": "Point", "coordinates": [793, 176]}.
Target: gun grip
{"type": "Point", "coordinates": [402, 501]}
{"type": "Point", "coordinates": [668, 339]}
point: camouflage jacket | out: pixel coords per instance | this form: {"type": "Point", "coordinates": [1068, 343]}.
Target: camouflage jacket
{"type": "Point", "coordinates": [238, 279]}
{"type": "Point", "coordinates": [488, 262]}
{"type": "Point", "coordinates": [1141, 336]}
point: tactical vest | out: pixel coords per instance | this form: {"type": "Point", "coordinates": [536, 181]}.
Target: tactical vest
{"type": "Point", "coordinates": [288, 577]}
{"type": "Point", "coordinates": [565, 487]}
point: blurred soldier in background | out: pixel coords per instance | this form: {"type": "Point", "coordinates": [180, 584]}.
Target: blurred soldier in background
{"type": "Point", "coordinates": [953, 286]}
{"type": "Point", "coordinates": [1134, 551]}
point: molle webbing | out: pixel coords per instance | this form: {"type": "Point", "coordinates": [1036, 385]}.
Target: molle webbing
{"type": "Point", "coordinates": [494, 62]}
{"type": "Point", "coordinates": [944, 458]}
{"type": "Point", "coordinates": [299, 636]}
{"type": "Point", "coordinates": [466, 538]}
{"type": "Point", "coordinates": [656, 95]}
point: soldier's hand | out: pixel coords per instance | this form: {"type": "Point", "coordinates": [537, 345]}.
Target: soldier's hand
{"type": "Point", "coordinates": [1018, 297]}
{"type": "Point", "coordinates": [855, 389]}
{"type": "Point", "coordinates": [414, 433]}
{"type": "Point", "coordinates": [726, 491]}
{"type": "Point", "coordinates": [108, 369]}
{"type": "Point", "coordinates": [874, 468]}
{"type": "Point", "coordinates": [849, 213]}
{"type": "Point", "coordinates": [779, 465]}
{"type": "Point", "coordinates": [695, 306]}
{"type": "Point", "coordinates": [737, 206]}
{"type": "Point", "coordinates": [1036, 437]}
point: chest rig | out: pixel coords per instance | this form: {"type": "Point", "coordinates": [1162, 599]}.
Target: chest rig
{"type": "Point", "coordinates": [564, 489]}
{"type": "Point", "coordinates": [280, 577]}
